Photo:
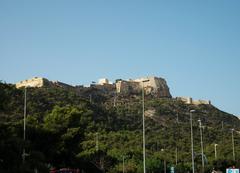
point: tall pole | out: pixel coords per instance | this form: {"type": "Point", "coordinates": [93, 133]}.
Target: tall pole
{"type": "Point", "coordinates": [90, 98]}
{"type": "Point", "coordinates": [164, 163]}
{"type": "Point", "coordinates": [165, 166]}
{"type": "Point", "coordinates": [191, 112]}
{"type": "Point", "coordinates": [24, 123]}
{"type": "Point", "coordinates": [176, 152]}
{"type": "Point", "coordinates": [233, 145]}
{"type": "Point", "coordinates": [114, 101]}
{"type": "Point", "coordinates": [177, 118]}
{"type": "Point", "coordinates": [123, 165]}
{"type": "Point", "coordinates": [97, 142]}
{"type": "Point", "coordinates": [201, 136]}
{"type": "Point", "coordinates": [222, 132]}
{"type": "Point", "coordinates": [176, 155]}
{"type": "Point", "coordinates": [143, 122]}
{"type": "Point", "coordinates": [215, 149]}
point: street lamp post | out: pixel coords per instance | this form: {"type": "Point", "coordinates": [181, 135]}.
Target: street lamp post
{"type": "Point", "coordinates": [215, 149]}
{"type": "Point", "coordinates": [176, 156]}
{"type": "Point", "coordinates": [97, 146]}
{"type": "Point", "coordinates": [114, 100]}
{"type": "Point", "coordinates": [233, 144]}
{"type": "Point", "coordinates": [24, 123]}
{"type": "Point", "coordinates": [176, 151]}
{"type": "Point", "coordinates": [201, 136]}
{"type": "Point", "coordinates": [191, 112]}
{"type": "Point", "coordinates": [143, 122]}
{"type": "Point", "coordinates": [123, 165]}
{"type": "Point", "coordinates": [165, 164]}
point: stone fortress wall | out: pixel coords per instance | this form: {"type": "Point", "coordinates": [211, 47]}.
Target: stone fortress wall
{"type": "Point", "coordinates": [189, 100]}
{"type": "Point", "coordinates": [33, 82]}
{"type": "Point", "coordinates": [155, 86]}
{"type": "Point", "coordinates": [38, 82]}
{"type": "Point", "coordinates": [152, 85]}
{"type": "Point", "coordinates": [126, 87]}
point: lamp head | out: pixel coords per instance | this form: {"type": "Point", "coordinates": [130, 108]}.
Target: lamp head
{"type": "Point", "coordinates": [192, 111]}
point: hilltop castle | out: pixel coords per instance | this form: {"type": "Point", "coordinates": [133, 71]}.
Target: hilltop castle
{"type": "Point", "coordinates": [154, 86]}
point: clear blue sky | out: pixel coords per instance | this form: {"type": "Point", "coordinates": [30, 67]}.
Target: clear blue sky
{"type": "Point", "coordinates": [194, 45]}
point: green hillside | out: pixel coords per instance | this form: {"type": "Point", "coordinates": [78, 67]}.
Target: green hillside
{"type": "Point", "coordinates": [65, 128]}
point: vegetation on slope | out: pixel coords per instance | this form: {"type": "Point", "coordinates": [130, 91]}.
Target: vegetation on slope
{"type": "Point", "coordinates": [65, 130]}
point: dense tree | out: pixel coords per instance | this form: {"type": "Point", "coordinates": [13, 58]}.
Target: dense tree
{"type": "Point", "coordinates": [66, 130]}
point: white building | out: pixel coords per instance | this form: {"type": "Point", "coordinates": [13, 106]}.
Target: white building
{"type": "Point", "coordinates": [103, 81]}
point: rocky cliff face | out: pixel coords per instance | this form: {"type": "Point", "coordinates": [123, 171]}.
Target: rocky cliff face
{"type": "Point", "coordinates": [159, 87]}
{"type": "Point", "coordinates": [152, 85]}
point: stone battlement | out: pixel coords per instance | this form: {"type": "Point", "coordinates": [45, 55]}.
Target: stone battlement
{"type": "Point", "coordinates": [38, 82]}
{"type": "Point", "coordinates": [189, 100]}
{"type": "Point", "coordinates": [152, 85]}
{"type": "Point", "coordinates": [33, 82]}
